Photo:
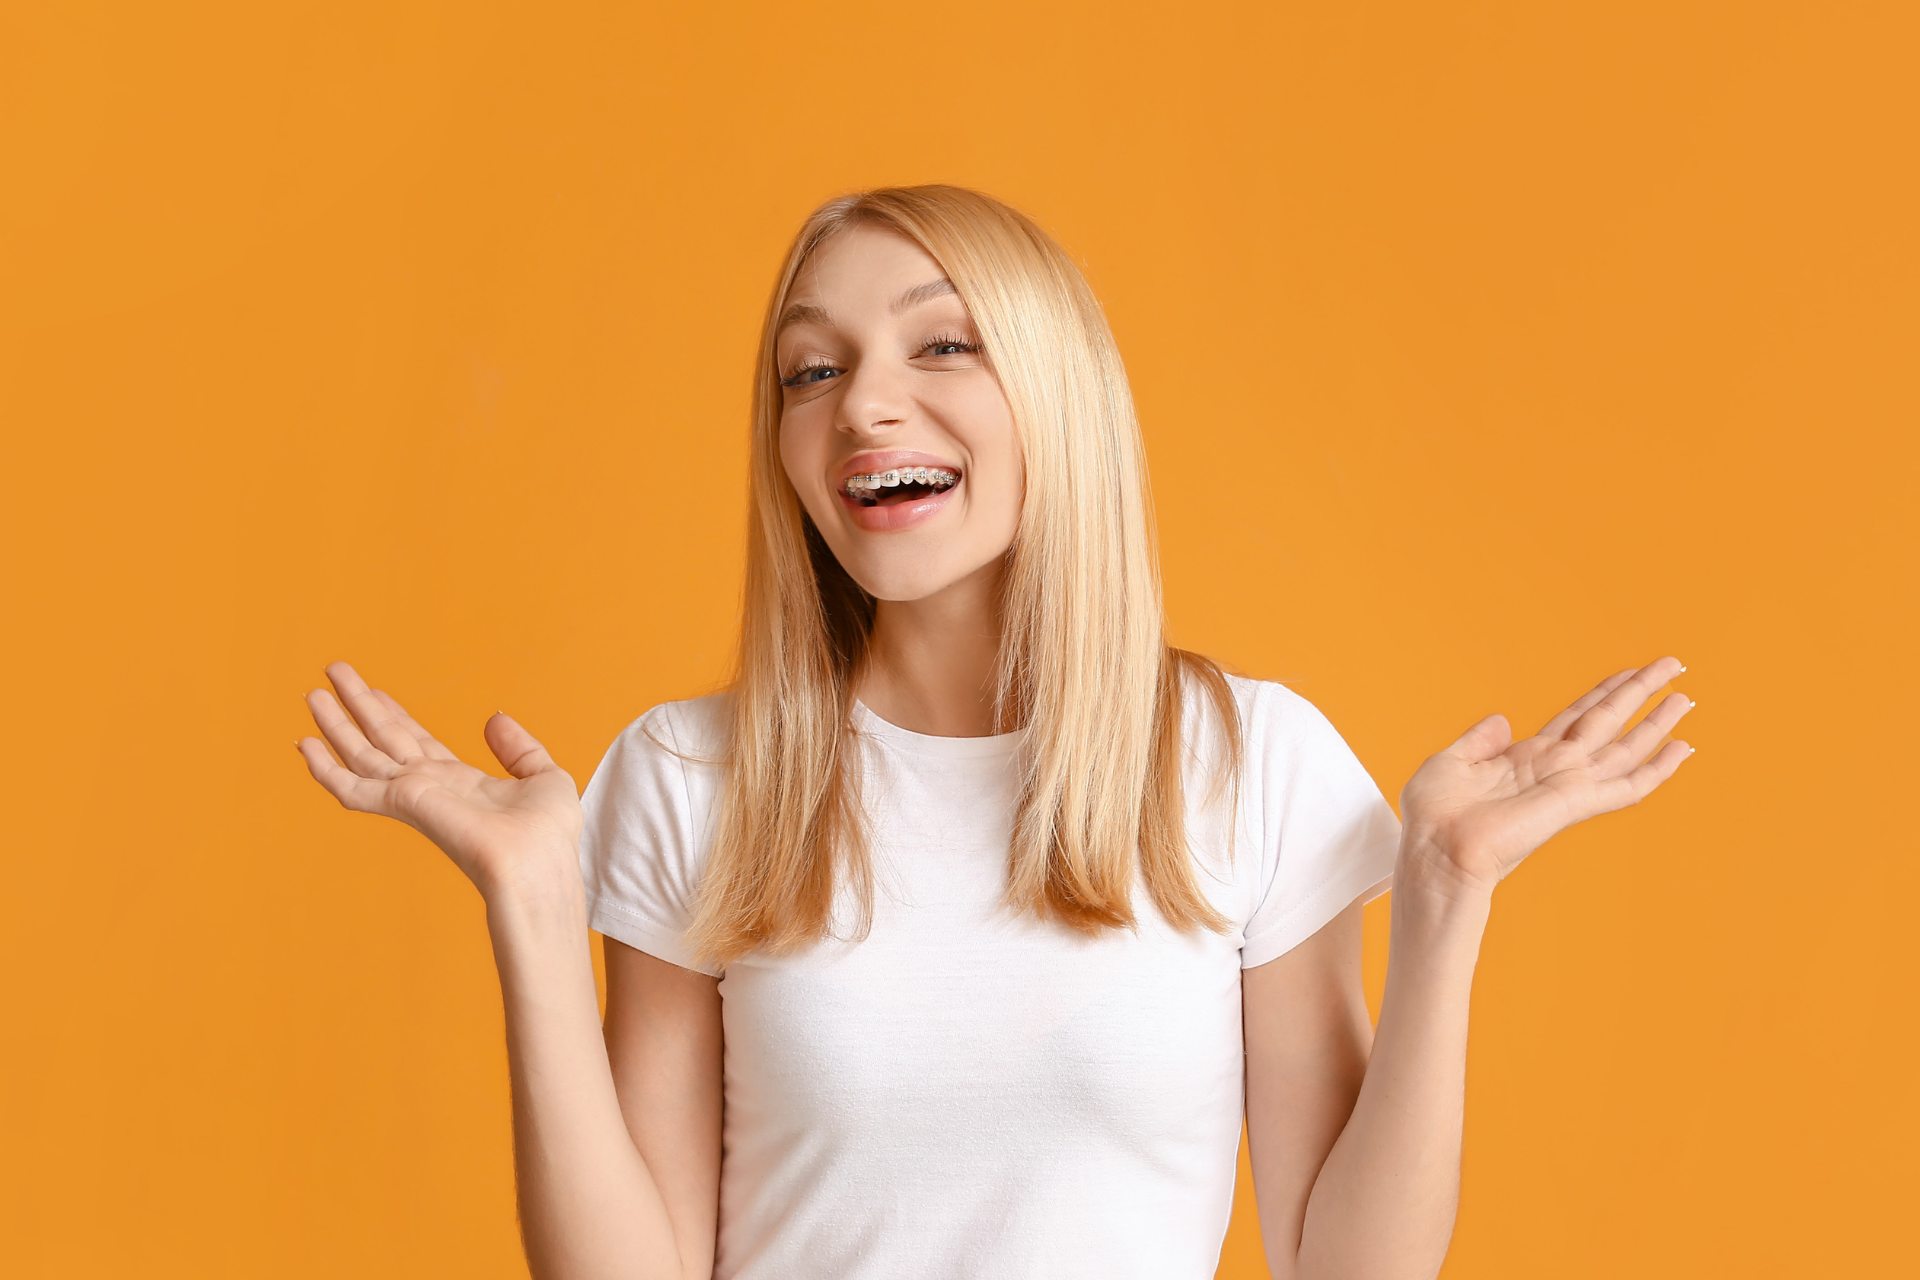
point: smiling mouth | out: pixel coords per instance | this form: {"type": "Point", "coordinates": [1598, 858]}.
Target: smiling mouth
{"type": "Point", "coordinates": [891, 488]}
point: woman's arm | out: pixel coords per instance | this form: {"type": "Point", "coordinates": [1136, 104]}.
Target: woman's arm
{"type": "Point", "coordinates": [663, 1036]}
{"type": "Point", "coordinates": [591, 1207]}
{"type": "Point", "coordinates": [1381, 1205]}
{"type": "Point", "coordinates": [1307, 1037]}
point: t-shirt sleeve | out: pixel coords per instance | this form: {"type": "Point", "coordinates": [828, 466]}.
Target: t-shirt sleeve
{"type": "Point", "coordinates": [642, 849]}
{"type": "Point", "coordinates": [1327, 836]}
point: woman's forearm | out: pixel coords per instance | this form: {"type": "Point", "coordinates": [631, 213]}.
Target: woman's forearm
{"type": "Point", "coordinates": [1383, 1205]}
{"type": "Point", "coordinates": [589, 1207]}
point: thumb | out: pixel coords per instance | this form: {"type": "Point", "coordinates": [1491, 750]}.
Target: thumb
{"type": "Point", "coordinates": [515, 748]}
{"type": "Point", "coordinates": [1484, 741]}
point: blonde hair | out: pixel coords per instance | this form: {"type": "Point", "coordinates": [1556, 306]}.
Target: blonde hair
{"type": "Point", "coordinates": [1083, 663]}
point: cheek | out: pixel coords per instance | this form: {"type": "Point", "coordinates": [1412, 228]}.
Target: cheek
{"type": "Point", "coordinates": [989, 436]}
{"type": "Point", "coordinates": [801, 445]}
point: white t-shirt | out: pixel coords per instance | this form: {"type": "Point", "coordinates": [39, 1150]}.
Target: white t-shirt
{"type": "Point", "coordinates": [969, 1093]}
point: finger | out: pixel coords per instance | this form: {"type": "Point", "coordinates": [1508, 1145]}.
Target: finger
{"type": "Point", "coordinates": [344, 736]}
{"type": "Point", "coordinates": [515, 748]}
{"type": "Point", "coordinates": [428, 744]}
{"type": "Point", "coordinates": [1484, 741]}
{"type": "Point", "coordinates": [1597, 725]}
{"type": "Point", "coordinates": [1557, 727]}
{"type": "Point", "coordinates": [1639, 742]}
{"type": "Point", "coordinates": [379, 724]}
{"type": "Point", "coordinates": [1638, 785]}
{"type": "Point", "coordinates": [362, 795]}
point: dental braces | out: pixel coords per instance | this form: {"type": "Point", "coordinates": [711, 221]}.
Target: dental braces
{"type": "Point", "coordinates": [865, 486]}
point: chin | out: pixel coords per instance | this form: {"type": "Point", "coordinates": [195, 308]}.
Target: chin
{"type": "Point", "coordinates": [906, 579]}
{"type": "Point", "coordinates": [905, 587]}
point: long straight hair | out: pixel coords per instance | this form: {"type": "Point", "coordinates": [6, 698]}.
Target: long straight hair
{"type": "Point", "coordinates": [1083, 665]}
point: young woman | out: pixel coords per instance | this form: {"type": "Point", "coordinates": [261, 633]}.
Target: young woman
{"type": "Point", "coordinates": [959, 935]}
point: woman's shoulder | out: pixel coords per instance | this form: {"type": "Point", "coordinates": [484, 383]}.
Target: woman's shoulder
{"type": "Point", "coordinates": [1271, 713]}
{"type": "Point", "coordinates": [1293, 754]}
{"type": "Point", "coordinates": [693, 730]}
{"type": "Point", "coordinates": [647, 810]}
{"type": "Point", "coordinates": [671, 752]}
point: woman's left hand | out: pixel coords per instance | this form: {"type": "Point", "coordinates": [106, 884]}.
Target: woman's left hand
{"type": "Point", "coordinates": [1475, 811]}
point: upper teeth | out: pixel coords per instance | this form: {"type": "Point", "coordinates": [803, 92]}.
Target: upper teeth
{"type": "Point", "coordinates": [900, 476]}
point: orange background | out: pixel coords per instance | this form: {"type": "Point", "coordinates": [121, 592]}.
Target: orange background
{"type": "Point", "coordinates": [1482, 349]}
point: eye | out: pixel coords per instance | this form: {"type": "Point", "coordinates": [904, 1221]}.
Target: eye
{"type": "Point", "coordinates": [810, 373]}
{"type": "Point", "coordinates": [949, 347]}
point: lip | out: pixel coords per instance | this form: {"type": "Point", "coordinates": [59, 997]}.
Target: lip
{"type": "Point", "coordinates": [904, 515]}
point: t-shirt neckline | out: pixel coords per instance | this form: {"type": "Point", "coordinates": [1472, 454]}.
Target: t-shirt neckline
{"type": "Point", "coordinates": [865, 720]}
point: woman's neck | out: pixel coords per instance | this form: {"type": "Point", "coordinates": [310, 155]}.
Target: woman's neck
{"type": "Point", "coordinates": [930, 663]}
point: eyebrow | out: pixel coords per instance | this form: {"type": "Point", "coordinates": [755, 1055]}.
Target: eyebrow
{"type": "Point", "coordinates": [923, 293]}
{"type": "Point", "coordinates": [808, 313]}
{"type": "Point", "coordinates": [803, 313]}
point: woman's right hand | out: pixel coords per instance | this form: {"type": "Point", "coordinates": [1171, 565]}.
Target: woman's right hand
{"type": "Point", "coordinates": [508, 833]}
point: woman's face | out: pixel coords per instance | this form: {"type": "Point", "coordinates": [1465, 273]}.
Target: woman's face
{"type": "Point", "coordinates": [892, 428]}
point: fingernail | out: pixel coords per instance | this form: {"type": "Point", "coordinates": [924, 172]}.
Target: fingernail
{"type": "Point", "coordinates": [1691, 750]}
{"type": "Point", "coordinates": [1683, 666]}
{"type": "Point", "coordinates": [1691, 704]}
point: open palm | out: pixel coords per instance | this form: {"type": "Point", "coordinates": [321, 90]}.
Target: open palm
{"type": "Point", "coordinates": [496, 830]}
{"type": "Point", "coordinates": [1486, 802]}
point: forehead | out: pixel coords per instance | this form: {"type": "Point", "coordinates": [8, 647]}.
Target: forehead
{"type": "Point", "coordinates": [863, 262]}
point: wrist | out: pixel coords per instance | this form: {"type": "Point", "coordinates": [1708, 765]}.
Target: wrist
{"type": "Point", "coordinates": [540, 930]}
{"type": "Point", "coordinates": [1439, 919]}
{"type": "Point", "coordinates": [537, 882]}
{"type": "Point", "coordinates": [1428, 874]}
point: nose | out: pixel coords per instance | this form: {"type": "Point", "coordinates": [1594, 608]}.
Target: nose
{"type": "Point", "coordinates": [875, 400]}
